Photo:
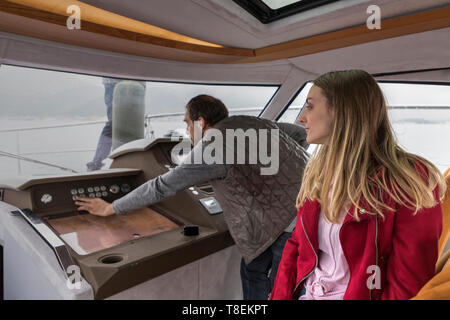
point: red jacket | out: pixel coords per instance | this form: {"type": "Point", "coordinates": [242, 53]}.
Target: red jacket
{"type": "Point", "coordinates": [407, 251]}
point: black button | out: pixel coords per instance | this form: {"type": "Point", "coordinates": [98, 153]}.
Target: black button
{"type": "Point", "coordinates": [190, 230]}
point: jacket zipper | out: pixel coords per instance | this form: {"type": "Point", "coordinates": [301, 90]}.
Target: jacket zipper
{"type": "Point", "coordinates": [376, 239]}
{"type": "Point", "coordinates": [317, 259]}
{"type": "Point", "coordinates": [342, 247]}
{"type": "Point", "coordinates": [376, 250]}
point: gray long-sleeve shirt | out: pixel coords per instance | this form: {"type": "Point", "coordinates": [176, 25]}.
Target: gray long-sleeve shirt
{"type": "Point", "coordinates": [186, 175]}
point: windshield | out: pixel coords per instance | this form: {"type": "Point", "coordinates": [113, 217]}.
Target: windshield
{"type": "Point", "coordinates": [67, 119]}
{"type": "Point", "coordinates": [419, 114]}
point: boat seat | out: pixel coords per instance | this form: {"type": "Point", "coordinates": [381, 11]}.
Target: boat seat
{"type": "Point", "coordinates": [439, 286]}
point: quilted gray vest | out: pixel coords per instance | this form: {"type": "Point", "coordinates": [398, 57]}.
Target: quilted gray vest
{"type": "Point", "coordinates": [258, 207]}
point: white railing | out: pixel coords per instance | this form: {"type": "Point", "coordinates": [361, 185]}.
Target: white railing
{"type": "Point", "coordinates": [16, 140]}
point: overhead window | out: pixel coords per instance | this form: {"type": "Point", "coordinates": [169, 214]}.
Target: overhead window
{"type": "Point", "coordinates": [270, 10]}
{"type": "Point", "coordinates": [277, 4]}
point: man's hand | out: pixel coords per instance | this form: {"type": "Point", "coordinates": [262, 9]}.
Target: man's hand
{"type": "Point", "coordinates": [95, 206]}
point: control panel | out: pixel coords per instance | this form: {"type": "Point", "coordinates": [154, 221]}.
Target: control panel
{"type": "Point", "coordinates": [60, 197]}
{"type": "Point", "coordinates": [99, 191]}
{"type": "Point", "coordinates": [121, 251]}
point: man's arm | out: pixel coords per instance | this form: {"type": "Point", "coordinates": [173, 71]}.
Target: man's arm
{"type": "Point", "coordinates": [168, 184]}
{"type": "Point", "coordinates": [187, 174]}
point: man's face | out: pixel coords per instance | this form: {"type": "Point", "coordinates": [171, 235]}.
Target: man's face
{"type": "Point", "coordinates": [190, 128]}
{"type": "Point", "coordinates": [189, 125]}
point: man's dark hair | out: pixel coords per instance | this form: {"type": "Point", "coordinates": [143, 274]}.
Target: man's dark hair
{"type": "Point", "coordinates": [209, 108]}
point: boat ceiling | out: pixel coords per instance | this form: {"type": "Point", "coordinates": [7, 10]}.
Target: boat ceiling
{"type": "Point", "coordinates": [218, 41]}
{"type": "Point", "coordinates": [226, 23]}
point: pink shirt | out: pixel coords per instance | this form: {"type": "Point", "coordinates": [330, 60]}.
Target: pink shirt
{"type": "Point", "coordinates": [330, 278]}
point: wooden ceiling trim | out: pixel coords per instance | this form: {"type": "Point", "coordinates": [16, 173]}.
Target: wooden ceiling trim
{"type": "Point", "coordinates": [33, 28]}
{"type": "Point", "coordinates": [100, 16]}
{"type": "Point", "coordinates": [61, 20]}
{"type": "Point", "coordinates": [390, 28]}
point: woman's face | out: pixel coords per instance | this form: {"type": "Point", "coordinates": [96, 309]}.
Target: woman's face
{"type": "Point", "coordinates": [317, 117]}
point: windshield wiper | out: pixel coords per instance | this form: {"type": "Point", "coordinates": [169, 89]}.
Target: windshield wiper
{"type": "Point", "coordinates": [15, 156]}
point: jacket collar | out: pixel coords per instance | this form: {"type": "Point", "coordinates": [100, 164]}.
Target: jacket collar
{"type": "Point", "coordinates": [310, 220]}
{"type": "Point", "coordinates": [312, 210]}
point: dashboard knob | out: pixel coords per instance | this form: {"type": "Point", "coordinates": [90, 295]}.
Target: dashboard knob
{"type": "Point", "coordinates": [114, 189]}
{"type": "Point", "coordinates": [46, 198]}
{"type": "Point", "coordinates": [125, 188]}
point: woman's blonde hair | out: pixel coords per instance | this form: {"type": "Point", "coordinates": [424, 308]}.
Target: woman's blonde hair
{"type": "Point", "coordinates": [362, 155]}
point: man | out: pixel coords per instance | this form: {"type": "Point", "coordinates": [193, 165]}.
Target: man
{"type": "Point", "coordinates": [258, 202]}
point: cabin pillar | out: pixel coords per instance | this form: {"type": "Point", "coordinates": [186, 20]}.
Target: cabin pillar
{"type": "Point", "coordinates": [128, 112]}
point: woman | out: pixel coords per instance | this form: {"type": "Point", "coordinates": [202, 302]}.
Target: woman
{"type": "Point", "coordinates": [369, 215]}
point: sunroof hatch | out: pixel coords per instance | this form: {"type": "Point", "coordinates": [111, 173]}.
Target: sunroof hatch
{"type": "Point", "coordinates": [270, 10]}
